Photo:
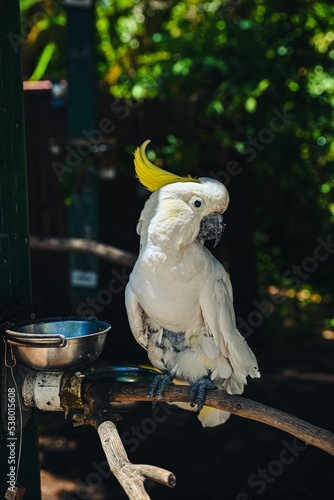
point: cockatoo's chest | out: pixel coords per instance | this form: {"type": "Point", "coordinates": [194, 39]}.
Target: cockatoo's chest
{"type": "Point", "coordinates": [169, 289]}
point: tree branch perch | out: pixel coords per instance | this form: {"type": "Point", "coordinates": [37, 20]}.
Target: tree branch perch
{"type": "Point", "coordinates": [131, 476]}
{"type": "Point", "coordinates": [99, 413]}
{"type": "Point", "coordinates": [106, 252]}
{"type": "Point", "coordinates": [237, 405]}
{"type": "Point", "coordinates": [97, 397]}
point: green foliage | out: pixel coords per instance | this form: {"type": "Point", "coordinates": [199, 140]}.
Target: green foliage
{"type": "Point", "coordinates": [42, 31]}
{"type": "Point", "coordinates": [240, 64]}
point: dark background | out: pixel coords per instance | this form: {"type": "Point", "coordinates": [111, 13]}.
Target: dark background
{"type": "Point", "coordinates": [210, 101]}
{"type": "Point", "coordinates": [215, 463]}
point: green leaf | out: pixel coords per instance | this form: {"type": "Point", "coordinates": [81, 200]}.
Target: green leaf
{"type": "Point", "coordinates": [182, 67]}
{"type": "Point", "coordinates": [26, 4]}
{"type": "Point", "coordinates": [43, 61]}
{"type": "Point", "coordinates": [250, 104]}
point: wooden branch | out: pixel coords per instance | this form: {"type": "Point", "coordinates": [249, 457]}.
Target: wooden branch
{"type": "Point", "coordinates": [238, 405]}
{"type": "Point", "coordinates": [131, 476]}
{"type": "Point", "coordinates": [98, 412]}
{"type": "Point", "coordinates": [98, 396]}
{"type": "Point", "coordinates": [106, 252]}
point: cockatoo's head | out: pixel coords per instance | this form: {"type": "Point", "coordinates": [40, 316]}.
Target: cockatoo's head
{"type": "Point", "coordinates": [180, 209]}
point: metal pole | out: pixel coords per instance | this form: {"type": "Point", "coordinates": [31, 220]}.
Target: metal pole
{"type": "Point", "coordinates": [15, 283]}
{"type": "Point", "coordinates": [84, 138]}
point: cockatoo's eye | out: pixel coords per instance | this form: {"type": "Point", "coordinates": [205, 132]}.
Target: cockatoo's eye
{"type": "Point", "coordinates": [197, 203]}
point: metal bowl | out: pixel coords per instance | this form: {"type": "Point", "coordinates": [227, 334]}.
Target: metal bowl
{"type": "Point", "coordinates": [58, 344]}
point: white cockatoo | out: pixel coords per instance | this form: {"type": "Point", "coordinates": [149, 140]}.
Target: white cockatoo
{"type": "Point", "coordinates": [179, 297]}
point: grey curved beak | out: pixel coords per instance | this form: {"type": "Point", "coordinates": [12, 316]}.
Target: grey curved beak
{"type": "Point", "coordinates": [212, 227]}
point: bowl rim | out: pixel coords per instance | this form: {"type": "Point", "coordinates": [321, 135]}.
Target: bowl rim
{"type": "Point", "coordinates": [58, 319]}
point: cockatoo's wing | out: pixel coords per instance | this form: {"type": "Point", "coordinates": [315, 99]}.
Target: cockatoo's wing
{"type": "Point", "coordinates": [217, 309]}
{"type": "Point", "coordinates": [136, 316]}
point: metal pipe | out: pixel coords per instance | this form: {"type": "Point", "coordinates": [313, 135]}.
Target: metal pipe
{"type": "Point", "coordinates": [52, 391]}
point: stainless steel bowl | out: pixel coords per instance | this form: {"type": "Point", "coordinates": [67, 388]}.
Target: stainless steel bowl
{"type": "Point", "coordinates": [58, 344]}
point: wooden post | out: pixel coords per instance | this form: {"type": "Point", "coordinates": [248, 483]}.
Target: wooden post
{"type": "Point", "coordinates": [15, 289]}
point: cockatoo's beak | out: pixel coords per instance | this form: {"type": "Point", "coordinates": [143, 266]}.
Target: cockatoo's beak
{"type": "Point", "coordinates": [212, 227]}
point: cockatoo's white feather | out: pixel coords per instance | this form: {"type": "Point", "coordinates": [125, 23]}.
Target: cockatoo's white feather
{"type": "Point", "coordinates": [179, 297]}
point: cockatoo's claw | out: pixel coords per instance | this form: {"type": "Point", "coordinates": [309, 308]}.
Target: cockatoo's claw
{"type": "Point", "coordinates": [198, 392]}
{"type": "Point", "coordinates": [158, 385]}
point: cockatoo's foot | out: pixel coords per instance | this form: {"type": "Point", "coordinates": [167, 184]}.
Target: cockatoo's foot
{"type": "Point", "coordinates": [159, 384]}
{"type": "Point", "coordinates": [198, 391]}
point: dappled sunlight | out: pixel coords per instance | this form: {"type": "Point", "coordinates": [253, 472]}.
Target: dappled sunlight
{"type": "Point", "coordinates": [304, 295]}
{"type": "Point", "coordinates": [328, 334]}
{"type": "Point", "coordinates": [302, 305]}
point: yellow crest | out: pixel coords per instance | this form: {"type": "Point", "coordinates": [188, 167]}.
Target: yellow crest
{"type": "Point", "coordinates": [151, 176]}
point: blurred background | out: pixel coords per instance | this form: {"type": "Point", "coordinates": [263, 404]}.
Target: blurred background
{"type": "Point", "coordinates": [242, 91]}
